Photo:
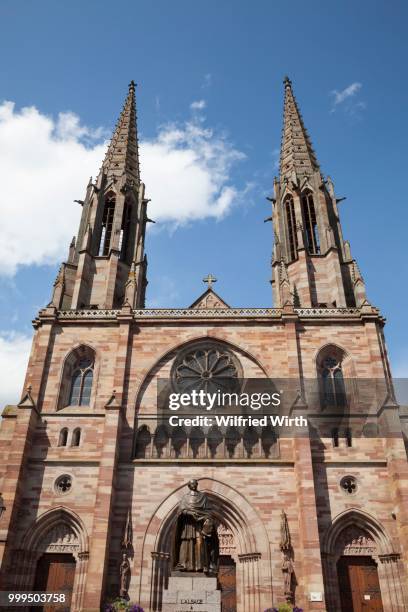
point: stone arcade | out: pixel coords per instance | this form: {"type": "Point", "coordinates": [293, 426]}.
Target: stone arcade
{"type": "Point", "coordinates": [91, 482]}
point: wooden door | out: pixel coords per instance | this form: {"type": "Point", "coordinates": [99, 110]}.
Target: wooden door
{"type": "Point", "coordinates": [359, 585]}
{"type": "Point", "coordinates": [55, 574]}
{"type": "Point", "coordinates": [227, 584]}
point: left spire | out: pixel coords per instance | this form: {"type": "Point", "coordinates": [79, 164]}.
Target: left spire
{"type": "Point", "coordinates": [109, 249]}
{"type": "Point", "coordinates": [122, 156]}
{"type": "Point", "coordinates": [297, 155]}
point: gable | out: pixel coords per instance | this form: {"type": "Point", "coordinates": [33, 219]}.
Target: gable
{"type": "Point", "coordinates": [209, 299]}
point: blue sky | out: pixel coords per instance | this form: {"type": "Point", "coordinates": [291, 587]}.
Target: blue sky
{"type": "Point", "coordinates": [347, 61]}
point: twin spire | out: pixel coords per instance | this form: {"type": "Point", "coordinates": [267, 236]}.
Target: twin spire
{"type": "Point", "coordinates": [297, 155]}
{"type": "Point", "coordinates": [122, 156]}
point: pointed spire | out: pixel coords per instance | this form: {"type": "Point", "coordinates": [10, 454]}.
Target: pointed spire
{"type": "Point", "coordinates": [58, 289]}
{"type": "Point", "coordinates": [297, 155]}
{"type": "Point", "coordinates": [359, 288]}
{"type": "Point", "coordinates": [122, 156]}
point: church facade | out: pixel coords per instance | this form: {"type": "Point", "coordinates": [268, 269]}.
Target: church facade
{"type": "Point", "coordinates": [90, 479]}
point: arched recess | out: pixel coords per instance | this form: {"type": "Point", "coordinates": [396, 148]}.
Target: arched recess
{"type": "Point", "coordinates": [355, 532]}
{"type": "Point", "coordinates": [252, 368]}
{"type": "Point", "coordinates": [231, 509]}
{"type": "Point", "coordinates": [56, 531]}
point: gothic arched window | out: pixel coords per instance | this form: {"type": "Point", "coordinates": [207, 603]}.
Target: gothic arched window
{"type": "Point", "coordinates": [291, 225]}
{"type": "Point", "coordinates": [309, 217]}
{"type": "Point", "coordinates": [333, 391]}
{"type": "Point", "coordinates": [107, 224]}
{"type": "Point", "coordinates": [63, 437]}
{"type": "Point", "coordinates": [81, 385]}
{"type": "Point", "coordinates": [76, 437]}
{"type": "Point", "coordinates": [77, 378]}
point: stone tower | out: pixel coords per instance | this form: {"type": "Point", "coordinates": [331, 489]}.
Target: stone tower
{"type": "Point", "coordinates": [106, 265]}
{"type": "Point", "coordinates": [312, 264]}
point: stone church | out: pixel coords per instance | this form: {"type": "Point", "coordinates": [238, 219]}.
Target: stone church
{"type": "Point", "coordinates": [90, 480]}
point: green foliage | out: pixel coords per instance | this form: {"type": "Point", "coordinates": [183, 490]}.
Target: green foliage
{"type": "Point", "coordinates": [121, 605]}
{"type": "Point", "coordinates": [284, 607]}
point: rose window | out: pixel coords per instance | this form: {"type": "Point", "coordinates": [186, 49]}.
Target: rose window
{"type": "Point", "coordinates": [207, 368]}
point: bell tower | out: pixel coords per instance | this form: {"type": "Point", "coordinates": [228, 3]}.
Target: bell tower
{"type": "Point", "coordinates": [312, 265]}
{"type": "Point", "coordinates": [106, 265]}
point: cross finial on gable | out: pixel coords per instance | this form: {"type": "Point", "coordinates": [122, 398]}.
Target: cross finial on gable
{"type": "Point", "coordinates": [209, 279]}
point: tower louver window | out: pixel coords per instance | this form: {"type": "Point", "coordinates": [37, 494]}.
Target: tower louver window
{"type": "Point", "coordinates": [107, 225]}
{"type": "Point", "coordinates": [291, 224]}
{"type": "Point", "coordinates": [124, 232]}
{"type": "Point", "coordinates": [309, 216]}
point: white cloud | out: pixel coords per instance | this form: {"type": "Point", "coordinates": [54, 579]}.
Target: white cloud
{"type": "Point", "coordinates": [339, 97]}
{"type": "Point", "coordinates": [46, 164]}
{"type": "Point", "coordinates": [14, 352]}
{"type": "Point", "coordinates": [198, 105]}
{"type": "Point", "coordinates": [187, 169]}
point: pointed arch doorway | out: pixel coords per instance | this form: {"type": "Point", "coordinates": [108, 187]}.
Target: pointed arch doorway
{"type": "Point", "coordinates": [55, 573]}
{"type": "Point", "coordinates": [53, 557]}
{"type": "Point", "coordinates": [362, 570]}
{"type": "Point", "coordinates": [246, 543]}
{"type": "Point", "coordinates": [359, 584]}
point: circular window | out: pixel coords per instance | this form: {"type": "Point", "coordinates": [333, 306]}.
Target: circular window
{"type": "Point", "coordinates": [209, 367]}
{"type": "Point", "coordinates": [63, 484]}
{"type": "Point", "coordinates": [348, 484]}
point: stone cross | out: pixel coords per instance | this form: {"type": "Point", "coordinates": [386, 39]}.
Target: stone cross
{"type": "Point", "coordinates": [209, 279]}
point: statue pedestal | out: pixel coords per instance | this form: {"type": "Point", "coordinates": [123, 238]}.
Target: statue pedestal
{"type": "Point", "coordinates": [192, 593]}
